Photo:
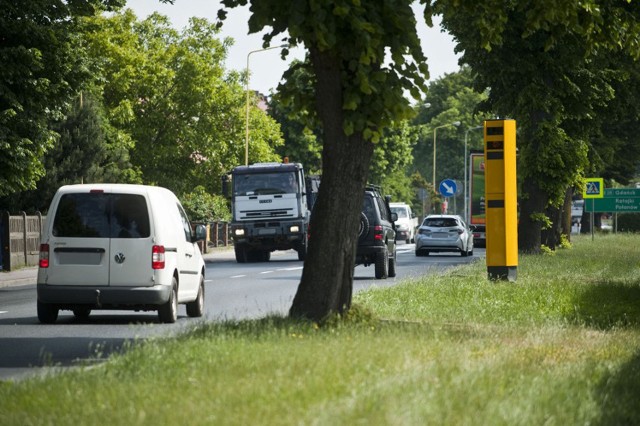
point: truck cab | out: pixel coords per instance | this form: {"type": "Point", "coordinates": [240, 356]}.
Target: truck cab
{"type": "Point", "coordinates": [270, 210]}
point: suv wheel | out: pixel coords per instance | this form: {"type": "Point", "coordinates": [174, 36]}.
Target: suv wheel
{"type": "Point", "coordinates": [364, 226]}
{"type": "Point", "coordinates": [382, 264]}
{"type": "Point", "coordinates": [392, 265]}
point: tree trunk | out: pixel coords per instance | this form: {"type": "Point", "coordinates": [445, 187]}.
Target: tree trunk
{"type": "Point", "coordinates": [327, 278]}
{"type": "Point", "coordinates": [560, 222]}
{"type": "Point", "coordinates": [533, 201]}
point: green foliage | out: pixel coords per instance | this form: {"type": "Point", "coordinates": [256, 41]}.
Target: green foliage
{"type": "Point", "coordinates": [43, 68]}
{"type": "Point", "coordinates": [202, 206]}
{"type": "Point", "coordinates": [450, 98]}
{"type": "Point", "coordinates": [170, 92]}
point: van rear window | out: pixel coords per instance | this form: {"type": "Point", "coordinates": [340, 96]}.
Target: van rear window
{"type": "Point", "coordinates": [100, 215]}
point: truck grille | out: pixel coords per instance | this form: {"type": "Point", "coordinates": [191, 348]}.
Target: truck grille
{"type": "Point", "coordinates": [260, 214]}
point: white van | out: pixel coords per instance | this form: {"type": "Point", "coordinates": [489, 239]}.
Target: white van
{"type": "Point", "coordinates": [407, 222]}
{"type": "Point", "coordinates": [117, 246]}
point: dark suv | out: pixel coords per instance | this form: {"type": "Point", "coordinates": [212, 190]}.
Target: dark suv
{"type": "Point", "coordinates": [377, 235]}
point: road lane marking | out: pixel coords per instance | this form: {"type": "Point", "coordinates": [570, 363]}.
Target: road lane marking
{"type": "Point", "coordinates": [237, 276]}
{"type": "Point", "coordinates": [267, 272]}
{"type": "Point", "coordinates": [297, 268]}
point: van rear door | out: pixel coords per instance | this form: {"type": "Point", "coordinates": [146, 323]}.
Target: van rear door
{"type": "Point", "coordinates": [131, 242]}
{"type": "Point", "coordinates": [79, 240]}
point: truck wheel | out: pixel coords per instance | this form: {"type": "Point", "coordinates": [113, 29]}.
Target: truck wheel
{"type": "Point", "coordinates": [241, 254]}
{"type": "Point", "coordinates": [196, 308]}
{"type": "Point", "coordinates": [168, 313]}
{"type": "Point", "coordinates": [382, 264]}
{"type": "Point", "coordinates": [47, 313]}
{"type": "Point", "coordinates": [302, 249]}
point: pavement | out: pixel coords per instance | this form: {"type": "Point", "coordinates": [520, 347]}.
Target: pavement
{"type": "Point", "coordinates": [29, 275]}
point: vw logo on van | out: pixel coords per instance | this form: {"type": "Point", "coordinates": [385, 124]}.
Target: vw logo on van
{"type": "Point", "coordinates": [119, 258]}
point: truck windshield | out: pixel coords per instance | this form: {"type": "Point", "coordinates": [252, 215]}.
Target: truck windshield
{"type": "Point", "coordinates": [400, 211]}
{"type": "Point", "coordinates": [265, 183]}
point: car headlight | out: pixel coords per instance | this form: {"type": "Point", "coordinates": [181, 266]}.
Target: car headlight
{"type": "Point", "coordinates": [294, 229]}
{"type": "Point", "coordinates": [238, 232]}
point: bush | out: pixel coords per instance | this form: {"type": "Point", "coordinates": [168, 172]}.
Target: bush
{"type": "Point", "coordinates": [628, 222]}
{"type": "Point", "coordinates": [204, 207]}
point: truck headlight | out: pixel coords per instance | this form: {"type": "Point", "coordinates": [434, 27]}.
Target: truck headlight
{"type": "Point", "coordinates": [294, 229]}
{"type": "Point", "coordinates": [238, 232]}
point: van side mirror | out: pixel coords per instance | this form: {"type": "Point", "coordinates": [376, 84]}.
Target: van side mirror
{"type": "Point", "coordinates": [394, 217]}
{"type": "Point", "coordinates": [201, 234]}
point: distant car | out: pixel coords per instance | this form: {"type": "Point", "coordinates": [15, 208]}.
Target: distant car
{"type": "Point", "coordinates": [407, 222]}
{"type": "Point", "coordinates": [444, 233]}
{"type": "Point", "coordinates": [377, 235]}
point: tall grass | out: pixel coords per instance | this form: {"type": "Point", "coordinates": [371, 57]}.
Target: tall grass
{"type": "Point", "coordinates": [559, 346]}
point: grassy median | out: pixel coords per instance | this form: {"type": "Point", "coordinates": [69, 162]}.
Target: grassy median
{"type": "Point", "coordinates": [560, 346]}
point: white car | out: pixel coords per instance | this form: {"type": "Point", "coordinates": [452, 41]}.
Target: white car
{"type": "Point", "coordinates": [407, 222]}
{"type": "Point", "coordinates": [444, 233]}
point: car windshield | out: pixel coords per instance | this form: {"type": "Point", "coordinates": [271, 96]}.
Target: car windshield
{"type": "Point", "coordinates": [440, 222]}
{"type": "Point", "coordinates": [400, 211]}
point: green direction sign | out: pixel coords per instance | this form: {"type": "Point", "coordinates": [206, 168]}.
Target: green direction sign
{"type": "Point", "coordinates": [615, 200]}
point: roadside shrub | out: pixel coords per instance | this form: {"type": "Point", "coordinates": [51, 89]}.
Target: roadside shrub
{"type": "Point", "coordinates": [204, 207]}
{"type": "Point", "coordinates": [628, 222]}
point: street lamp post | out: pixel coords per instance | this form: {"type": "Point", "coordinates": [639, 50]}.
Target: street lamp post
{"type": "Point", "coordinates": [466, 177]}
{"type": "Point", "coordinates": [455, 123]}
{"type": "Point", "coordinates": [246, 127]}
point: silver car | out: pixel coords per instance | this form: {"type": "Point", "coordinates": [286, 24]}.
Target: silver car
{"type": "Point", "coordinates": [444, 233]}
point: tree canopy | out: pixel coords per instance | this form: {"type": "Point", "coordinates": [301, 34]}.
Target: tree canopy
{"type": "Point", "coordinates": [43, 68]}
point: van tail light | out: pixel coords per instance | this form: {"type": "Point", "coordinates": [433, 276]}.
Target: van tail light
{"type": "Point", "coordinates": [43, 261]}
{"type": "Point", "coordinates": [157, 257]}
{"type": "Point", "coordinates": [377, 233]}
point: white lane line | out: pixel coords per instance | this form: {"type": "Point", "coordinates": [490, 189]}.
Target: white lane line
{"type": "Point", "coordinates": [3, 312]}
{"type": "Point", "coordinates": [237, 276]}
{"type": "Point", "coordinates": [297, 268]}
{"type": "Point", "coordinates": [267, 272]}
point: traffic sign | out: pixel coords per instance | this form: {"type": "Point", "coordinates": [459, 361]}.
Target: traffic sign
{"type": "Point", "coordinates": [615, 200]}
{"type": "Point", "coordinates": [448, 188]}
{"type": "Point", "coordinates": [594, 188]}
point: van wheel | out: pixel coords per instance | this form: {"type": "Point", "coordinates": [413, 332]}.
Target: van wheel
{"type": "Point", "coordinates": [82, 313]}
{"type": "Point", "coordinates": [47, 313]}
{"type": "Point", "coordinates": [196, 308]}
{"type": "Point", "coordinates": [168, 313]}
{"type": "Point", "coordinates": [382, 264]}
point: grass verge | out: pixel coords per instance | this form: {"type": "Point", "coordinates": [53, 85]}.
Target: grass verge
{"type": "Point", "coordinates": [559, 346]}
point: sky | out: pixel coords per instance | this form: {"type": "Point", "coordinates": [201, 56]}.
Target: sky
{"type": "Point", "coordinates": [266, 67]}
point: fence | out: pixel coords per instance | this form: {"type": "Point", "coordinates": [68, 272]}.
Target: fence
{"type": "Point", "coordinates": [20, 239]}
{"type": "Point", "coordinates": [20, 236]}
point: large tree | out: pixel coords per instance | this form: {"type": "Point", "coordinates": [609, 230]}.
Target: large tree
{"type": "Point", "coordinates": [540, 61]}
{"type": "Point", "coordinates": [43, 68]}
{"type": "Point", "coordinates": [364, 56]}
{"type": "Point", "coordinates": [169, 91]}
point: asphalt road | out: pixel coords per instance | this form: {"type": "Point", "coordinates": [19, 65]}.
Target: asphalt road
{"type": "Point", "coordinates": [233, 292]}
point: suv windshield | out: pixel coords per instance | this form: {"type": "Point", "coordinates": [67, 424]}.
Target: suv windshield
{"type": "Point", "coordinates": [90, 215]}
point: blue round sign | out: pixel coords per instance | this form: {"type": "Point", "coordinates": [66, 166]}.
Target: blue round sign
{"type": "Point", "coordinates": [448, 188]}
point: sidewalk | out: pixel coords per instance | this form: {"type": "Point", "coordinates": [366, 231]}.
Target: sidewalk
{"type": "Point", "coordinates": [29, 275]}
{"type": "Point", "coordinates": [22, 276]}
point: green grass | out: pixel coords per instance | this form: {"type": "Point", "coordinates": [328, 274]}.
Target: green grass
{"type": "Point", "coordinates": [559, 346]}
